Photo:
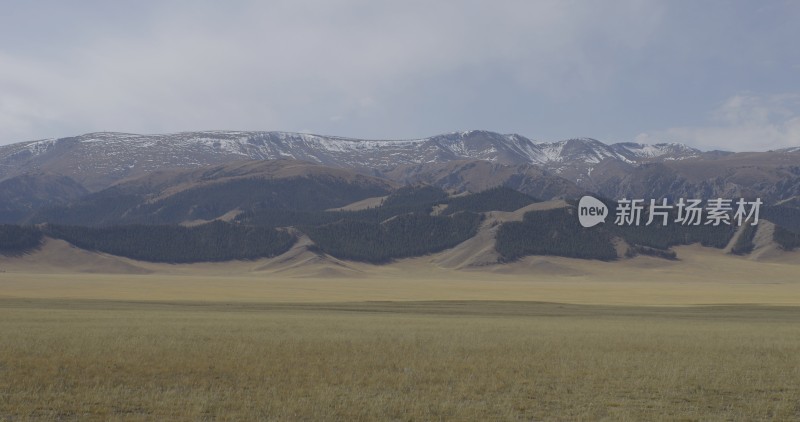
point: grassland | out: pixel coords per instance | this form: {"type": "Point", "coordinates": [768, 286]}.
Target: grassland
{"type": "Point", "coordinates": [93, 337]}
{"type": "Point", "coordinates": [410, 361]}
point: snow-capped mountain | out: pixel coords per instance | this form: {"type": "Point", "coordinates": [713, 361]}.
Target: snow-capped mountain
{"type": "Point", "coordinates": [54, 172]}
{"type": "Point", "coordinates": [98, 159]}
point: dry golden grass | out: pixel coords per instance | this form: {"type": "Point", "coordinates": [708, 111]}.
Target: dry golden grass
{"type": "Point", "coordinates": [102, 360]}
{"type": "Point", "coordinates": [267, 340]}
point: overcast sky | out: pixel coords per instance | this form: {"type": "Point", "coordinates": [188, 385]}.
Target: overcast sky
{"type": "Point", "coordinates": [712, 74]}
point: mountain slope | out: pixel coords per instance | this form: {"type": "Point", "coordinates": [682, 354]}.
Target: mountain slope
{"type": "Point", "coordinates": [180, 196]}
{"type": "Point", "coordinates": [772, 176]}
{"type": "Point", "coordinates": [20, 195]}
{"type": "Point", "coordinates": [476, 176]}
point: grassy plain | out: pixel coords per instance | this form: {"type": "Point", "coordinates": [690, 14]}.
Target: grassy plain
{"type": "Point", "coordinates": [105, 360]}
{"type": "Point", "coordinates": [93, 337]}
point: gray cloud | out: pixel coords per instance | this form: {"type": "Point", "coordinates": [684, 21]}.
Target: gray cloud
{"type": "Point", "coordinates": [547, 69]}
{"type": "Point", "coordinates": [744, 122]}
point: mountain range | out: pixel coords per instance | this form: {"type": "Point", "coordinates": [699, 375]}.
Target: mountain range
{"type": "Point", "coordinates": [97, 159]}
{"type": "Point", "coordinates": [279, 179]}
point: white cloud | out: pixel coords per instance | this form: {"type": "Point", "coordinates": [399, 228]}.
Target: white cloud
{"type": "Point", "coordinates": [744, 122]}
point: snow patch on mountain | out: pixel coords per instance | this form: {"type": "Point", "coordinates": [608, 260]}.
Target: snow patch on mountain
{"type": "Point", "coordinates": [112, 156]}
{"type": "Point", "coordinates": [457, 145]}
{"type": "Point", "coordinates": [669, 151]}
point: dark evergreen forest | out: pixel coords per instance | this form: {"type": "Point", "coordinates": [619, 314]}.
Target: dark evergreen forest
{"type": "Point", "coordinates": [15, 240]}
{"type": "Point", "coordinates": [216, 241]}
{"type": "Point", "coordinates": [117, 222]}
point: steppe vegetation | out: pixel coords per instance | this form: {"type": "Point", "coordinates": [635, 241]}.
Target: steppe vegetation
{"type": "Point", "coordinates": [107, 360]}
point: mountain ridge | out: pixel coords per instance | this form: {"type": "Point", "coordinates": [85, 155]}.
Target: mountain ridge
{"type": "Point", "coordinates": [462, 161]}
{"type": "Point", "coordinates": [97, 159]}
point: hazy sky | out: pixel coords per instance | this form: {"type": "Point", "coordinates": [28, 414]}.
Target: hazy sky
{"type": "Point", "coordinates": [712, 74]}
